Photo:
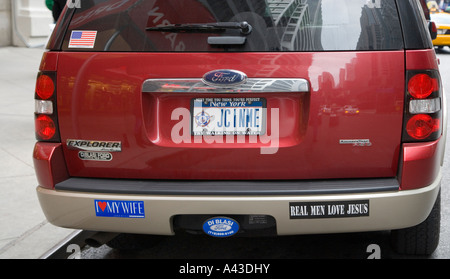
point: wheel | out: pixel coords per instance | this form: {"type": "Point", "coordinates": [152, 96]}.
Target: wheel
{"type": "Point", "coordinates": [134, 241]}
{"type": "Point", "coordinates": [422, 239]}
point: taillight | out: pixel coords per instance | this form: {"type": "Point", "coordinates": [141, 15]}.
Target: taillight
{"type": "Point", "coordinates": [421, 126]}
{"type": "Point", "coordinates": [45, 87]}
{"type": "Point", "coordinates": [46, 119]}
{"type": "Point", "coordinates": [45, 127]}
{"type": "Point", "coordinates": [423, 106]}
{"type": "Point", "coordinates": [420, 86]}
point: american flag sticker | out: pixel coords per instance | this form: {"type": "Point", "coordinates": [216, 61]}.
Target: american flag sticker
{"type": "Point", "coordinates": [82, 39]}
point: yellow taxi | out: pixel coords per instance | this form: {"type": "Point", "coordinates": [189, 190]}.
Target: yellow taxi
{"type": "Point", "coordinates": [442, 20]}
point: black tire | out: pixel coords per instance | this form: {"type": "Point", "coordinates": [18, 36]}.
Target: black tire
{"type": "Point", "coordinates": [134, 241]}
{"type": "Point", "coordinates": [422, 239]}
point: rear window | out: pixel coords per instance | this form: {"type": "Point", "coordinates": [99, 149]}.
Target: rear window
{"type": "Point", "coordinates": [234, 25]}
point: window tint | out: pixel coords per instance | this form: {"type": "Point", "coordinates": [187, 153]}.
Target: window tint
{"type": "Point", "coordinates": [212, 25]}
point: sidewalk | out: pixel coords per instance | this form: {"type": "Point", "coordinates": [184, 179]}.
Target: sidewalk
{"type": "Point", "coordinates": [24, 231]}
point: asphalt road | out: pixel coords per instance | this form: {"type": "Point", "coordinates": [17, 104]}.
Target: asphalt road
{"type": "Point", "coordinates": [334, 246]}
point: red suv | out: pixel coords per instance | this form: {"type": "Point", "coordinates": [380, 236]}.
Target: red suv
{"type": "Point", "coordinates": [227, 117]}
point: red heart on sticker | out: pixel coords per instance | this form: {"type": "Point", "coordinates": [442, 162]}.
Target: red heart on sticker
{"type": "Point", "coordinates": [102, 205]}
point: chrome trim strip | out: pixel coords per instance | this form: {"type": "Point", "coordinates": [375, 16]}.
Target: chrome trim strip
{"type": "Point", "coordinates": [253, 85]}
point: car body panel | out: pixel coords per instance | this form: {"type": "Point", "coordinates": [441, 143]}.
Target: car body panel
{"type": "Point", "coordinates": [109, 90]}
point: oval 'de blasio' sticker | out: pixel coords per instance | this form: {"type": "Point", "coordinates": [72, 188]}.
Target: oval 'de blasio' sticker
{"type": "Point", "coordinates": [221, 227]}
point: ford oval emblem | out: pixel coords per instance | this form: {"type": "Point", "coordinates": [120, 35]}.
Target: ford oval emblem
{"type": "Point", "coordinates": [221, 227]}
{"type": "Point", "coordinates": [224, 78]}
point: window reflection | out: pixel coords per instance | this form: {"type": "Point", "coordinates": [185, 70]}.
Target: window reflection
{"type": "Point", "coordinates": [278, 25]}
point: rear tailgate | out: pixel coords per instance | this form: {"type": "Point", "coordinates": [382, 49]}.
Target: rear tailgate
{"type": "Point", "coordinates": [347, 123]}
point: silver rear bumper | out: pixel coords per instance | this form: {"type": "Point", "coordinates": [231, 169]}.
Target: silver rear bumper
{"type": "Point", "coordinates": [387, 210]}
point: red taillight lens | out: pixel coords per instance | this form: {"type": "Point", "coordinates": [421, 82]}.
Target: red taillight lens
{"type": "Point", "coordinates": [421, 126]}
{"type": "Point", "coordinates": [45, 87]}
{"type": "Point", "coordinates": [423, 111]}
{"type": "Point", "coordinates": [46, 117]}
{"type": "Point", "coordinates": [45, 127]}
{"type": "Point", "coordinates": [421, 86]}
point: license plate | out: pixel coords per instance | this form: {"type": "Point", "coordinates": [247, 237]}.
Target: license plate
{"type": "Point", "coordinates": [228, 116]}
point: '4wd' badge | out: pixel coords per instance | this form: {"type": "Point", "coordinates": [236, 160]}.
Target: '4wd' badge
{"type": "Point", "coordinates": [221, 227]}
{"type": "Point", "coordinates": [224, 78]}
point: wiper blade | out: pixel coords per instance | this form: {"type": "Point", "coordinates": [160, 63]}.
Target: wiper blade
{"type": "Point", "coordinates": [244, 26]}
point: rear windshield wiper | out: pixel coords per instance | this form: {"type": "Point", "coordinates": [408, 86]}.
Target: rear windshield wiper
{"type": "Point", "coordinates": [244, 26]}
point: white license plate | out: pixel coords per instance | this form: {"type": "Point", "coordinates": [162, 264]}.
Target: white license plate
{"type": "Point", "coordinates": [228, 116]}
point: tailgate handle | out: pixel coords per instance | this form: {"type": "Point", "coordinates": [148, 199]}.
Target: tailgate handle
{"type": "Point", "coordinates": [253, 85]}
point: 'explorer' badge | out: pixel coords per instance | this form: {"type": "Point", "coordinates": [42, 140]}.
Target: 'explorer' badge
{"type": "Point", "coordinates": [94, 145]}
{"type": "Point", "coordinates": [224, 78]}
